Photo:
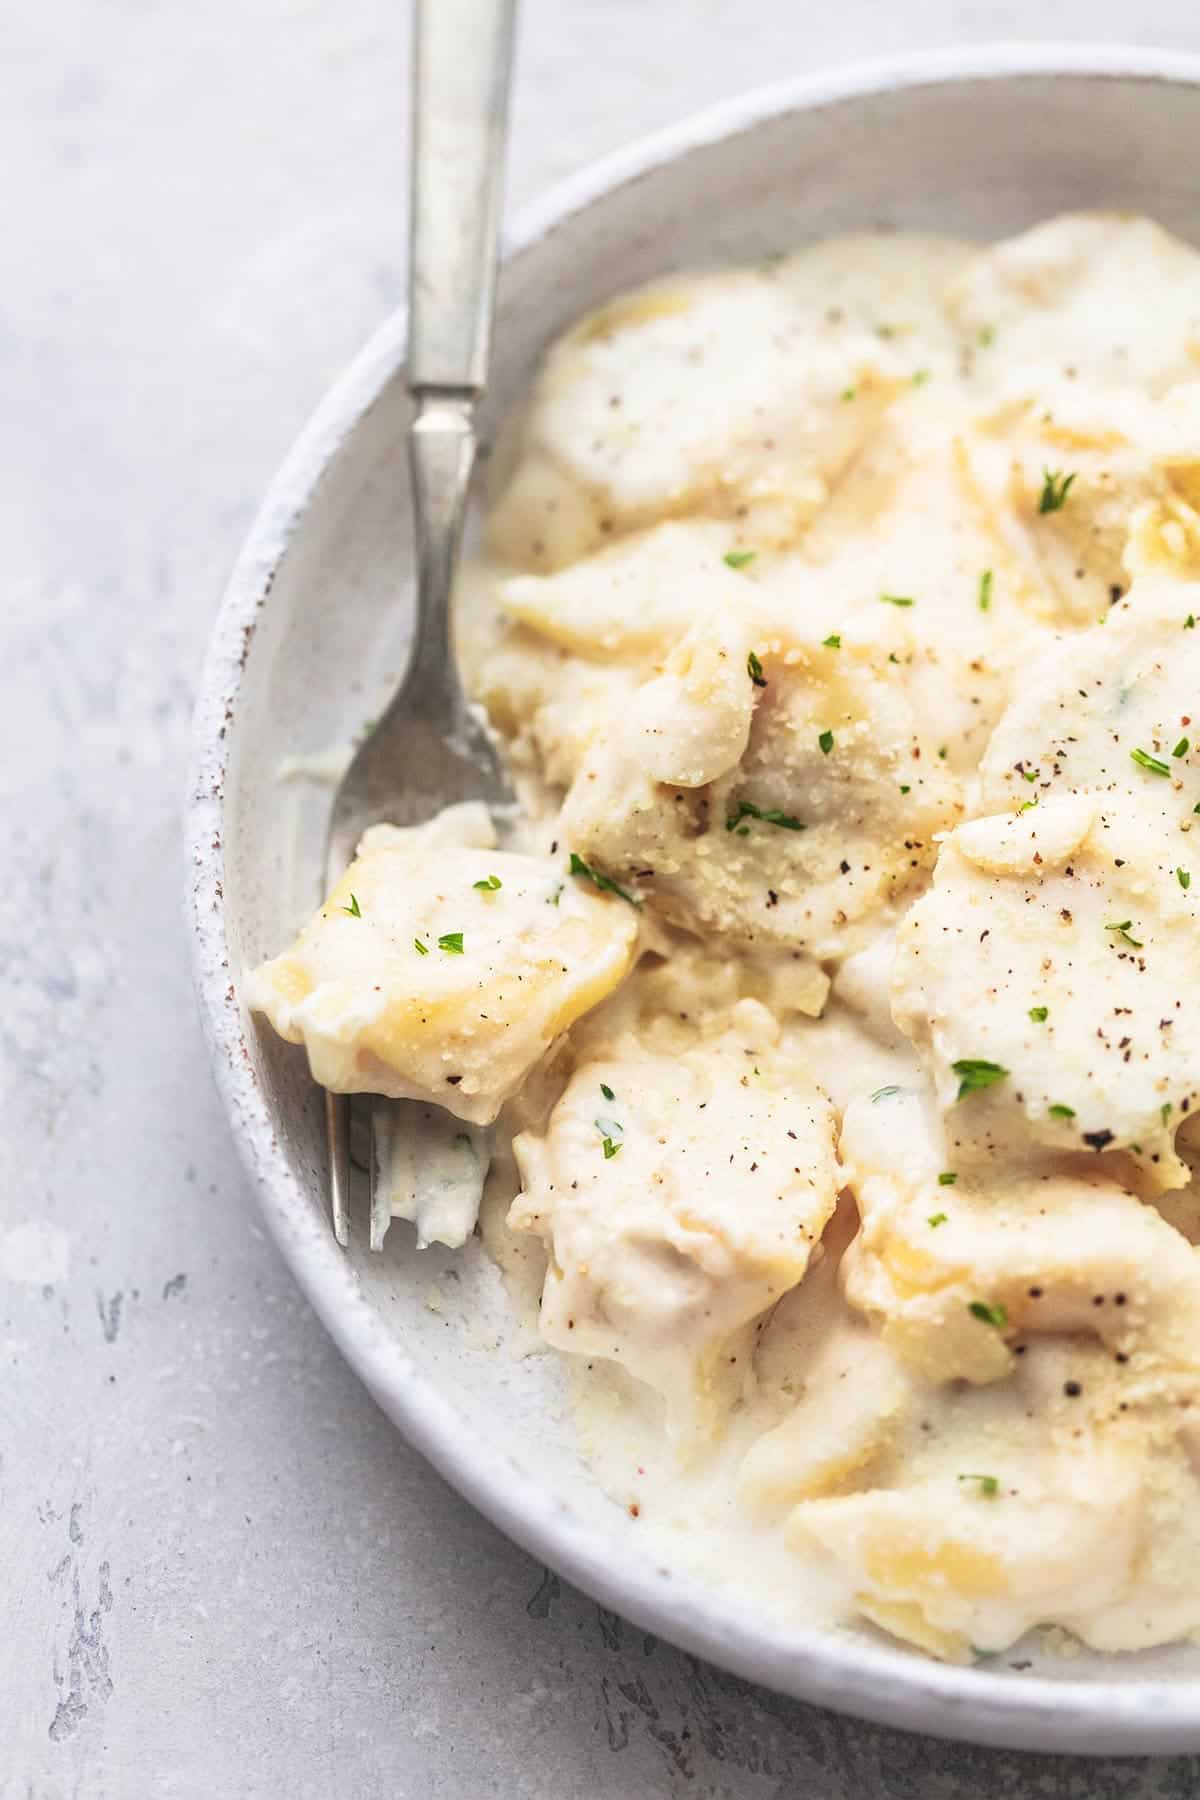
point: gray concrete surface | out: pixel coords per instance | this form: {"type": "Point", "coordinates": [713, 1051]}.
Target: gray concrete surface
{"type": "Point", "coordinates": [220, 1569]}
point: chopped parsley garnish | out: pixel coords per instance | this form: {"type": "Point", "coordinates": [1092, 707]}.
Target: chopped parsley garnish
{"type": "Point", "coordinates": [607, 1091]}
{"type": "Point", "coordinates": [1030, 774]}
{"type": "Point", "coordinates": [611, 1135]}
{"type": "Point", "coordinates": [985, 590]}
{"type": "Point", "coordinates": [996, 1315]}
{"type": "Point", "coordinates": [1039, 1014]}
{"type": "Point", "coordinates": [1165, 1110]}
{"type": "Point", "coordinates": [833, 641]}
{"type": "Point", "coordinates": [1183, 877]}
{"type": "Point", "coordinates": [904, 788]}
{"type": "Point", "coordinates": [1189, 624]}
{"type": "Point", "coordinates": [936, 1219]}
{"type": "Point", "coordinates": [1181, 748]}
{"type": "Point", "coordinates": [489, 884]}
{"type": "Point", "coordinates": [451, 942]}
{"type": "Point", "coordinates": [604, 882]}
{"type": "Point", "coordinates": [990, 1487]}
{"type": "Point", "coordinates": [920, 378]}
{"type": "Point", "coordinates": [947, 1178]}
{"type": "Point", "coordinates": [353, 909]}
{"type": "Point", "coordinates": [987, 337]}
{"type": "Point", "coordinates": [738, 559]}
{"type": "Point", "coordinates": [849, 393]}
{"type": "Point", "coordinates": [1154, 764]}
{"type": "Point", "coordinates": [896, 599]}
{"type": "Point", "coordinates": [1026, 805]}
{"type": "Point", "coordinates": [884, 1093]}
{"type": "Point", "coordinates": [1121, 930]}
{"type": "Point", "coordinates": [769, 815]}
{"type": "Point", "coordinates": [974, 1073]}
{"type": "Point", "coordinates": [420, 948]}
{"type": "Point", "coordinates": [826, 742]}
{"type": "Point", "coordinates": [1055, 488]}
{"type": "Point", "coordinates": [754, 670]}
{"type": "Point", "coordinates": [942, 750]}
{"type": "Point", "coordinates": [1059, 1111]}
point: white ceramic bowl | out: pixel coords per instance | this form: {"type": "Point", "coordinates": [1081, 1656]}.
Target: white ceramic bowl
{"type": "Point", "coordinates": [312, 631]}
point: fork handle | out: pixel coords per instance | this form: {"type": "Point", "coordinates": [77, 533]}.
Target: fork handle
{"type": "Point", "coordinates": [461, 66]}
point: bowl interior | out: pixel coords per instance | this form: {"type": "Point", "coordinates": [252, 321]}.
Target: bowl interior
{"type": "Point", "coordinates": [310, 642]}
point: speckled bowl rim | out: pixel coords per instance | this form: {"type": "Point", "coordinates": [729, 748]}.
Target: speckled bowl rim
{"type": "Point", "coordinates": [851, 1675]}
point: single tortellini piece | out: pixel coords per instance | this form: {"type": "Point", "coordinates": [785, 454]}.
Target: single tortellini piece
{"type": "Point", "coordinates": [680, 1197]}
{"type": "Point", "coordinates": [1112, 712]}
{"type": "Point", "coordinates": [1076, 296]}
{"type": "Point", "coordinates": [443, 972]}
{"type": "Point", "coordinates": [1073, 474]}
{"type": "Point", "coordinates": [1043, 980]}
{"type": "Point", "coordinates": [774, 792]}
{"type": "Point", "coordinates": [1065, 1496]}
{"type": "Point", "coordinates": [956, 1265]}
{"type": "Point", "coordinates": [711, 395]}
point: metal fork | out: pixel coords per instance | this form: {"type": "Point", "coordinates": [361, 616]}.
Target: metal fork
{"type": "Point", "coordinates": [431, 747]}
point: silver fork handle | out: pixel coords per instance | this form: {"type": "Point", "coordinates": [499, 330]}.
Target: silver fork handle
{"type": "Point", "coordinates": [462, 56]}
{"type": "Point", "coordinates": [461, 67]}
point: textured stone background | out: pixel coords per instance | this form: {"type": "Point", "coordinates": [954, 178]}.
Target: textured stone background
{"type": "Point", "coordinates": [220, 1569]}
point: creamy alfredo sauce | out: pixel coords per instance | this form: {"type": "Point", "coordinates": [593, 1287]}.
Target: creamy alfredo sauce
{"type": "Point", "coordinates": [840, 616]}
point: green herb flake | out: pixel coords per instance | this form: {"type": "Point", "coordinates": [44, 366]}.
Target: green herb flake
{"type": "Point", "coordinates": [1030, 774]}
{"type": "Point", "coordinates": [1183, 877]}
{"type": "Point", "coordinates": [943, 750]}
{"type": "Point", "coordinates": [420, 948]}
{"type": "Point", "coordinates": [451, 942]}
{"type": "Point", "coordinates": [849, 393]}
{"type": "Point", "coordinates": [605, 883]}
{"type": "Point", "coordinates": [739, 559]}
{"type": "Point", "coordinates": [985, 590]}
{"type": "Point", "coordinates": [884, 1093]}
{"type": "Point", "coordinates": [1055, 488]}
{"type": "Point", "coordinates": [489, 884]}
{"type": "Point", "coordinates": [905, 788]}
{"type": "Point", "coordinates": [897, 599]}
{"type": "Point", "coordinates": [989, 1487]}
{"type": "Point", "coordinates": [1165, 1110]}
{"type": "Point", "coordinates": [826, 742]}
{"type": "Point", "coordinates": [936, 1219]}
{"type": "Point", "coordinates": [996, 1315]}
{"type": "Point", "coordinates": [1039, 1014]}
{"type": "Point", "coordinates": [754, 670]}
{"type": "Point", "coordinates": [353, 909]}
{"type": "Point", "coordinates": [607, 1091]}
{"type": "Point", "coordinates": [920, 377]}
{"type": "Point", "coordinates": [1121, 929]}
{"type": "Point", "coordinates": [611, 1135]}
{"type": "Point", "coordinates": [986, 337]}
{"type": "Point", "coordinates": [975, 1073]}
{"type": "Point", "coordinates": [1027, 806]}
{"type": "Point", "coordinates": [1181, 748]}
{"type": "Point", "coordinates": [1153, 764]}
{"type": "Point", "coordinates": [1059, 1111]}
{"type": "Point", "coordinates": [1189, 624]}
{"type": "Point", "coordinates": [947, 1178]}
{"type": "Point", "coordinates": [833, 641]}
{"type": "Point", "coordinates": [769, 815]}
